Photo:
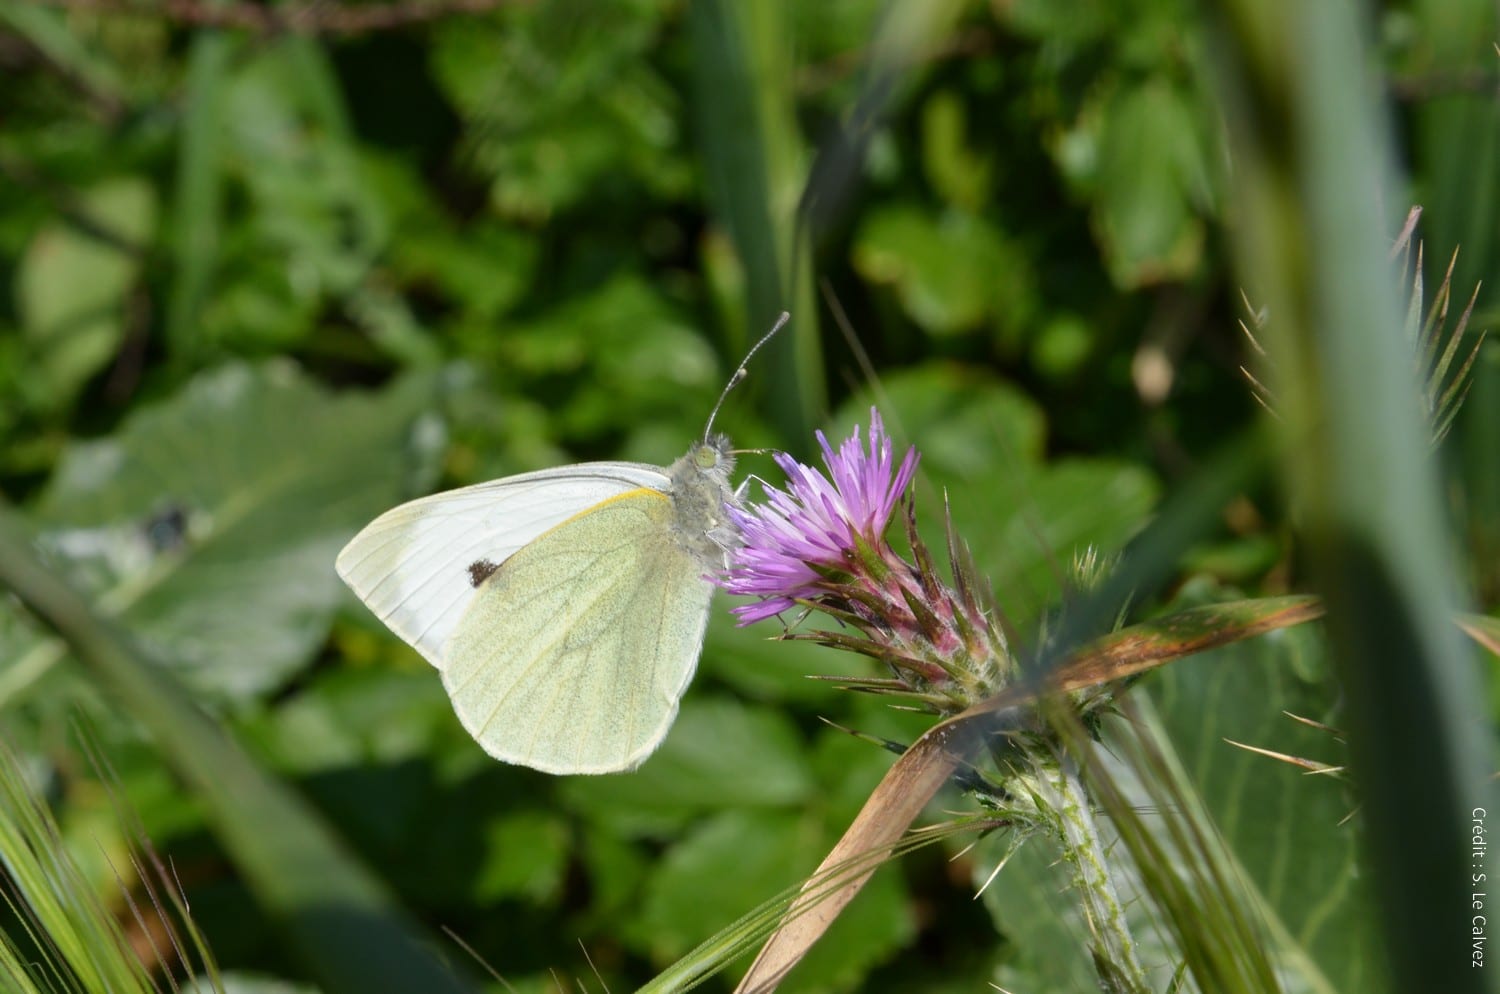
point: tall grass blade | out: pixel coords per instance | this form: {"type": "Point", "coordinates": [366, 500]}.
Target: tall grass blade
{"type": "Point", "coordinates": [754, 164]}
{"type": "Point", "coordinates": [78, 944]}
{"type": "Point", "coordinates": [1311, 153]}
{"type": "Point", "coordinates": [199, 189]}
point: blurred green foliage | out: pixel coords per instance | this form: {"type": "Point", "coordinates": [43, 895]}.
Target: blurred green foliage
{"type": "Point", "coordinates": [260, 286]}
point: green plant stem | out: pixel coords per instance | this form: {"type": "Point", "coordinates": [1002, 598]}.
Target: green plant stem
{"type": "Point", "coordinates": [1062, 798]}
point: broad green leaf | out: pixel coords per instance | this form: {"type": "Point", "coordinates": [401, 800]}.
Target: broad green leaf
{"type": "Point", "coordinates": [1062, 347]}
{"type": "Point", "coordinates": [964, 423]}
{"type": "Point", "coordinates": [1152, 185]}
{"type": "Point", "coordinates": [952, 271]}
{"type": "Point", "coordinates": [758, 664]}
{"type": "Point", "coordinates": [197, 203]}
{"type": "Point", "coordinates": [485, 267]}
{"type": "Point", "coordinates": [733, 860]}
{"type": "Point", "coordinates": [719, 753]}
{"type": "Point", "coordinates": [628, 349]}
{"type": "Point", "coordinates": [961, 175]}
{"type": "Point", "coordinates": [210, 521]}
{"type": "Point", "coordinates": [715, 872]}
{"type": "Point", "coordinates": [1041, 919]}
{"type": "Point", "coordinates": [314, 227]}
{"type": "Point", "coordinates": [312, 210]}
{"type": "Point", "coordinates": [618, 871]}
{"type": "Point", "coordinates": [1290, 830]}
{"type": "Point", "coordinates": [526, 857]}
{"type": "Point", "coordinates": [73, 284]}
{"type": "Point", "coordinates": [358, 716]}
{"type": "Point", "coordinates": [1060, 22]}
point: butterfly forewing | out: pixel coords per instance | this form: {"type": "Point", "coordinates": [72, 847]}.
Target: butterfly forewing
{"type": "Point", "coordinates": [418, 566]}
{"type": "Point", "coordinates": [574, 653]}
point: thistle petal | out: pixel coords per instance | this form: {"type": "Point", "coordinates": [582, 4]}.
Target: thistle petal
{"type": "Point", "coordinates": [816, 521]}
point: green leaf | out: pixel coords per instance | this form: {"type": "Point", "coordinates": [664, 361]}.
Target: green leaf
{"type": "Point", "coordinates": [729, 862]}
{"type": "Point", "coordinates": [197, 201]}
{"type": "Point", "coordinates": [485, 268]}
{"type": "Point", "coordinates": [561, 107]}
{"type": "Point", "coordinates": [757, 663]}
{"type": "Point", "coordinates": [963, 422]}
{"type": "Point", "coordinates": [719, 753]}
{"type": "Point", "coordinates": [311, 209]}
{"type": "Point", "coordinates": [1152, 180]}
{"type": "Point", "coordinates": [1040, 918]}
{"type": "Point", "coordinates": [712, 875]}
{"type": "Point", "coordinates": [526, 856]}
{"type": "Point", "coordinates": [626, 346]}
{"type": "Point", "coordinates": [359, 716]}
{"type": "Point", "coordinates": [209, 523]}
{"type": "Point", "coordinates": [961, 175]}
{"type": "Point", "coordinates": [1291, 831]}
{"type": "Point", "coordinates": [1060, 22]}
{"type": "Point", "coordinates": [72, 287]}
{"type": "Point", "coordinates": [951, 271]}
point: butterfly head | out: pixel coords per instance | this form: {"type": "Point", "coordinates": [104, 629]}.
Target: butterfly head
{"type": "Point", "coordinates": [700, 490]}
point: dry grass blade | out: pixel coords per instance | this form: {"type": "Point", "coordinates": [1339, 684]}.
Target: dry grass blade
{"type": "Point", "coordinates": [885, 817]}
{"type": "Point", "coordinates": [1482, 629]}
{"type": "Point", "coordinates": [1135, 650]}
{"type": "Point", "coordinates": [1310, 765]}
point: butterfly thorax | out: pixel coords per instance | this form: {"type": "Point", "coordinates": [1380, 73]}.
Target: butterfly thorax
{"type": "Point", "coordinates": [700, 489]}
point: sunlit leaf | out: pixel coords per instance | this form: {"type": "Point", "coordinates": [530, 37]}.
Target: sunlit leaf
{"type": "Point", "coordinates": [73, 285]}
{"type": "Point", "coordinates": [718, 753]}
{"type": "Point", "coordinates": [210, 521]}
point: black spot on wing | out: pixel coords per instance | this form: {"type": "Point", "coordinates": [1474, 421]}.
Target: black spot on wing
{"type": "Point", "coordinates": [481, 570]}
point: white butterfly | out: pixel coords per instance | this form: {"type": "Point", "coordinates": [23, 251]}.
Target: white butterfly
{"type": "Point", "coordinates": [564, 608]}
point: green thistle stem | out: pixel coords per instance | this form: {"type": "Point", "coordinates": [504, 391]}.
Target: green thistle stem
{"type": "Point", "coordinates": [1062, 800]}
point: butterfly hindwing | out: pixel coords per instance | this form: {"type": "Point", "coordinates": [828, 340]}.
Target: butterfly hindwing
{"type": "Point", "coordinates": [573, 654]}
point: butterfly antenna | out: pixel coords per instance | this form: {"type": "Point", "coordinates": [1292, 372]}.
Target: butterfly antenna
{"type": "Point", "coordinates": [739, 374]}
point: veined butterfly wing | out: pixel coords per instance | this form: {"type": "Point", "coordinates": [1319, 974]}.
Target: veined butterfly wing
{"type": "Point", "coordinates": [565, 609]}
{"type": "Point", "coordinates": [574, 653]}
{"type": "Point", "coordinates": [419, 565]}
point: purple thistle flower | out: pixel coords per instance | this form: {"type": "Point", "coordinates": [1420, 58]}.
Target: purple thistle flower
{"type": "Point", "coordinates": [818, 522]}
{"type": "Point", "coordinates": [821, 542]}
